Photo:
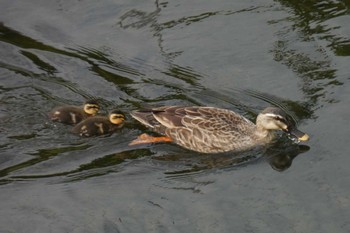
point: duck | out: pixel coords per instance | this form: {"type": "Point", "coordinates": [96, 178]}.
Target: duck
{"type": "Point", "coordinates": [100, 125]}
{"type": "Point", "coordinates": [71, 115]}
{"type": "Point", "coordinates": [213, 130]}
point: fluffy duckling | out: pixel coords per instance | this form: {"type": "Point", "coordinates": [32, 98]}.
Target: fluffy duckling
{"type": "Point", "coordinates": [100, 125]}
{"type": "Point", "coordinates": [70, 114]}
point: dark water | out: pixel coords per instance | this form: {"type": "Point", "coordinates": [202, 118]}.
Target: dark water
{"type": "Point", "coordinates": [241, 55]}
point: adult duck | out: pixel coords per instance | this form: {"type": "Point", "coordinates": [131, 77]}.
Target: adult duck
{"type": "Point", "coordinates": [213, 130]}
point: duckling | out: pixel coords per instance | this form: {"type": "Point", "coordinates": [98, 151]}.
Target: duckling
{"type": "Point", "coordinates": [70, 114]}
{"type": "Point", "coordinates": [99, 125]}
{"type": "Point", "coordinates": [213, 130]}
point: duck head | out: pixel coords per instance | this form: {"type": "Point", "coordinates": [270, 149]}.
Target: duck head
{"type": "Point", "coordinates": [273, 118]}
{"type": "Point", "coordinates": [91, 107]}
{"type": "Point", "coordinates": [116, 117]}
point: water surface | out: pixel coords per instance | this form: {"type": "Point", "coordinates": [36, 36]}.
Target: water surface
{"type": "Point", "coordinates": [243, 56]}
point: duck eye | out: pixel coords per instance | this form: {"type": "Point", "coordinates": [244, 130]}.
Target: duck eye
{"type": "Point", "coordinates": [281, 119]}
{"type": "Point", "coordinates": [278, 118]}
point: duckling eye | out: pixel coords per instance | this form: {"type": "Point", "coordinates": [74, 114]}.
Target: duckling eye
{"type": "Point", "coordinates": [118, 116]}
{"type": "Point", "coordinates": [92, 107]}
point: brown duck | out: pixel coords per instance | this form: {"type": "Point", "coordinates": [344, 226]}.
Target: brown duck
{"type": "Point", "coordinates": [213, 130]}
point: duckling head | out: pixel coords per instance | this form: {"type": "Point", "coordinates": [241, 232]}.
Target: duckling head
{"type": "Point", "coordinates": [273, 118]}
{"type": "Point", "coordinates": [116, 117]}
{"type": "Point", "coordinates": [91, 107]}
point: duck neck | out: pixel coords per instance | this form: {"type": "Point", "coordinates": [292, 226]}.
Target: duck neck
{"type": "Point", "coordinates": [261, 132]}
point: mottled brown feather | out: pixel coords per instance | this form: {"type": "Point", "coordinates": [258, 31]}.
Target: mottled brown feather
{"type": "Point", "coordinates": [203, 129]}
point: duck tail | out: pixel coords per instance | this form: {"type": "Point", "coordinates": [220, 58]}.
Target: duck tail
{"type": "Point", "coordinates": [145, 117]}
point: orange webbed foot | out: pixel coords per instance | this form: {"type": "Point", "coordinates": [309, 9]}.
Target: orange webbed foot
{"type": "Point", "coordinates": [146, 139]}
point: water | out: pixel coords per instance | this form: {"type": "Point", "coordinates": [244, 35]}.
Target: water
{"type": "Point", "coordinates": [241, 55]}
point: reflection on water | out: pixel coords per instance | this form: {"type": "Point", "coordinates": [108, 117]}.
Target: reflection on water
{"type": "Point", "coordinates": [310, 18]}
{"type": "Point", "coordinates": [312, 21]}
{"type": "Point", "coordinates": [311, 71]}
{"type": "Point", "coordinates": [98, 167]}
{"type": "Point", "coordinates": [40, 156]}
{"type": "Point", "coordinates": [279, 155]}
{"type": "Point", "coordinates": [282, 160]}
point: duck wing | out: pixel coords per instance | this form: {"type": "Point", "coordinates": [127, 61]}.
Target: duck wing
{"type": "Point", "coordinates": [168, 116]}
{"type": "Point", "coordinates": [203, 129]}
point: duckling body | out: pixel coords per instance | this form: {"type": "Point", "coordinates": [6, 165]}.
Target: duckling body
{"type": "Point", "coordinates": [70, 114]}
{"type": "Point", "coordinates": [100, 125]}
{"type": "Point", "coordinates": [213, 130]}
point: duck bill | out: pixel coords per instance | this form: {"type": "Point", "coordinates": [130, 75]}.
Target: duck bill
{"type": "Point", "coordinates": [298, 134]}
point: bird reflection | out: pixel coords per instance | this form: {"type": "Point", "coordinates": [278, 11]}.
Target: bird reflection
{"type": "Point", "coordinates": [280, 157]}
{"type": "Point", "coordinates": [282, 160]}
